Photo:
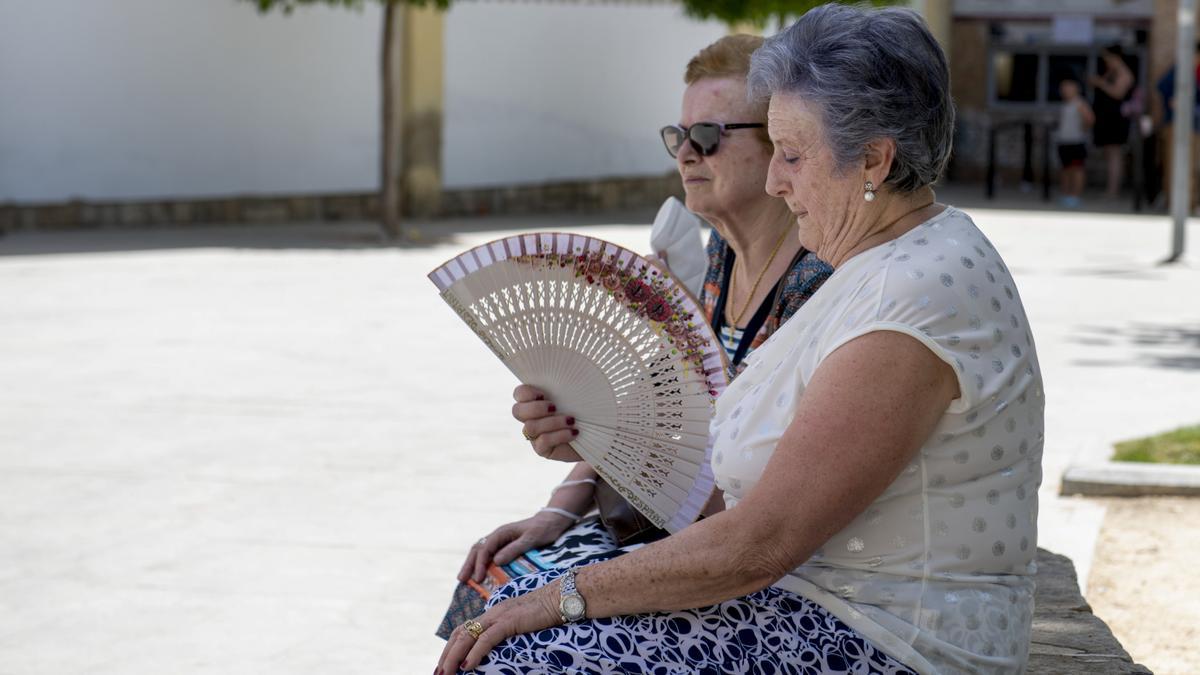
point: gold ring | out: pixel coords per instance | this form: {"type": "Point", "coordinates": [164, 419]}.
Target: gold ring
{"type": "Point", "coordinates": [473, 628]}
{"type": "Point", "coordinates": [526, 435]}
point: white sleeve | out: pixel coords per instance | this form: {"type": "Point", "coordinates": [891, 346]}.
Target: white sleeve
{"type": "Point", "coordinates": [931, 313]}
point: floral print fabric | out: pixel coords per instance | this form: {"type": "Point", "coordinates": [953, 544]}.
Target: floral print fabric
{"type": "Point", "coordinates": [770, 631]}
{"type": "Point", "coordinates": [805, 277]}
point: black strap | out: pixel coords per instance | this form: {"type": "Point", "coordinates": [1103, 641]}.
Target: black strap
{"type": "Point", "coordinates": [760, 315]}
{"type": "Point", "coordinates": [755, 325]}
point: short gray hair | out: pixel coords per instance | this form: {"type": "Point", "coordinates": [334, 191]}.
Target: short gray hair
{"type": "Point", "coordinates": [870, 74]}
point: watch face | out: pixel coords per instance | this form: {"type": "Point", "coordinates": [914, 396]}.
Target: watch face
{"type": "Point", "coordinates": [573, 607]}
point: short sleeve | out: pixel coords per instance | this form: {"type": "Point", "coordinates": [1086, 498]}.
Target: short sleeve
{"type": "Point", "coordinates": [952, 294]}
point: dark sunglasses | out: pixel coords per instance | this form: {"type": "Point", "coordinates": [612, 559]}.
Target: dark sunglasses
{"type": "Point", "coordinates": [704, 136]}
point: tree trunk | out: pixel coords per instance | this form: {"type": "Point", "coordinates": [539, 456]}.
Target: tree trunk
{"type": "Point", "coordinates": [391, 122]}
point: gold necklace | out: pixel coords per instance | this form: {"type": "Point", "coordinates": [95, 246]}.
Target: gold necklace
{"type": "Point", "coordinates": [754, 288]}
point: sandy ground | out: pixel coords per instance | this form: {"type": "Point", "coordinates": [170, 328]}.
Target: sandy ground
{"type": "Point", "coordinates": [1143, 581]}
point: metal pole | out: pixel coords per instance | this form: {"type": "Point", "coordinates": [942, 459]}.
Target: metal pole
{"type": "Point", "coordinates": [1139, 169]}
{"type": "Point", "coordinates": [1045, 161]}
{"type": "Point", "coordinates": [989, 188]}
{"type": "Point", "coordinates": [1185, 101]}
{"type": "Point", "coordinates": [1027, 164]}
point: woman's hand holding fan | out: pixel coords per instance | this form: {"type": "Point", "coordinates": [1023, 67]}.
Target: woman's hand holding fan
{"type": "Point", "coordinates": [549, 433]}
{"type": "Point", "coordinates": [614, 342]}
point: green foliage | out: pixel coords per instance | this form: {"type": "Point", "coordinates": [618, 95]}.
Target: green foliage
{"type": "Point", "coordinates": [287, 6]}
{"type": "Point", "coordinates": [1181, 446]}
{"type": "Point", "coordinates": [759, 11]}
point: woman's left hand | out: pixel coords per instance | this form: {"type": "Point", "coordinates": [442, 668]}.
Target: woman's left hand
{"type": "Point", "coordinates": [526, 613]}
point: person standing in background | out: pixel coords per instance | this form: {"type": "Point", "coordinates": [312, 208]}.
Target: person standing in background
{"type": "Point", "coordinates": [1111, 130]}
{"type": "Point", "coordinates": [1074, 116]}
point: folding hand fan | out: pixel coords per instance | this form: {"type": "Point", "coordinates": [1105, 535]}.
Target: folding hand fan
{"type": "Point", "coordinates": [615, 342]}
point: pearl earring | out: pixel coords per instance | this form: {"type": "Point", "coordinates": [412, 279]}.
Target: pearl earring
{"type": "Point", "coordinates": [869, 192]}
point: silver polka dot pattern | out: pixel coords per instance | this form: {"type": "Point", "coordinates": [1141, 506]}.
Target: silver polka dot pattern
{"type": "Point", "coordinates": [965, 503]}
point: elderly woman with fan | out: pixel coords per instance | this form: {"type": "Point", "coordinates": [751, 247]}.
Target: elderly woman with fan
{"type": "Point", "coordinates": [881, 453]}
{"type": "Point", "coordinates": [758, 275]}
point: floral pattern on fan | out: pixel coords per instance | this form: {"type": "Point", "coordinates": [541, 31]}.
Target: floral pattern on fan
{"type": "Point", "coordinates": [645, 292]}
{"type": "Point", "coordinates": [612, 339]}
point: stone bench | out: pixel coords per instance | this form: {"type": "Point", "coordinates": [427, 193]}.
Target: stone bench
{"type": "Point", "coordinates": [1067, 637]}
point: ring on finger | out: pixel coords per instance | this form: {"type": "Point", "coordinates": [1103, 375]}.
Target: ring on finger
{"type": "Point", "coordinates": [473, 628]}
{"type": "Point", "coordinates": [527, 436]}
{"type": "Point", "coordinates": [482, 541]}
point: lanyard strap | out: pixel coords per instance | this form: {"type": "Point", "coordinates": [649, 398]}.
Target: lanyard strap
{"type": "Point", "coordinates": [760, 315]}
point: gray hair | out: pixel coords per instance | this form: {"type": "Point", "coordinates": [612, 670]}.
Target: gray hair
{"type": "Point", "coordinates": [870, 74]}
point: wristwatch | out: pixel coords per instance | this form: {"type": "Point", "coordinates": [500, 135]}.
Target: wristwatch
{"type": "Point", "coordinates": [570, 604]}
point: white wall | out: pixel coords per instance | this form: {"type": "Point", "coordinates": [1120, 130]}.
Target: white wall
{"type": "Point", "coordinates": [551, 91]}
{"type": "Point", "coordinates": [132, 99]}
{"type": "Point", "coordinates": [157, 98]}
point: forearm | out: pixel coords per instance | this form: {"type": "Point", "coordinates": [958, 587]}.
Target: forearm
{"type": "Point", "coordinates": [1117, 89]}
{"type": "Point", "coordinates": [711, 561]}
{"type": "Point", "coordinates": [866, 413]}
{"type": "Point", "coordinates": [573, 496]}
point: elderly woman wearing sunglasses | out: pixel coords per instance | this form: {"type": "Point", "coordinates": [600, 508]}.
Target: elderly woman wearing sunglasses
{"type": "Point", "coordinates": [758, 276]}
{"type": "Point", "coordinates": [759, 273]}
{"type": "Point", "coordinates": [881, 453]}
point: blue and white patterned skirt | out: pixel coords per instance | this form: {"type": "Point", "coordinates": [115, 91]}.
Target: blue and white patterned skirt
{"type": "Point", "coordinates": [769, 631]}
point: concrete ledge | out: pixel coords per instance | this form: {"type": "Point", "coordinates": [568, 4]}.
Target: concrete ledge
{"type": "Point", "coordinates": [1067, 637]}
{"type": "Point", "coordinates": [1131, 479]}
{"type": "Point", "coordinates": [584, 195]}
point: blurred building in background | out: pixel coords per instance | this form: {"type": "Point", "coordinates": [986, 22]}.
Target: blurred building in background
{"type": "Point", "coordinates": [139, 111]}
{"type": "Point", "coordinates": [1008, 57]}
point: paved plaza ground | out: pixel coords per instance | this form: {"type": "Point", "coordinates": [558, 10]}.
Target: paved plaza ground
{"type": "Point", "coordinates": [265, 450]}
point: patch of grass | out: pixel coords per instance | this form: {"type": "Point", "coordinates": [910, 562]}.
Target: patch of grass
{"type": "Point", "coordinates": [1181, 446]}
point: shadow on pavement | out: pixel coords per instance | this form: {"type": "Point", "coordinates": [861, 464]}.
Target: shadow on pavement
{"type": "Point", "coordinates": [1129, 272]}
{"type": "Point", "coordinates": [347, 235]}
{"type": "Point", "coordinates": [971, 196]}
{"type": "Point", "coordinates": [1157, 345]}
